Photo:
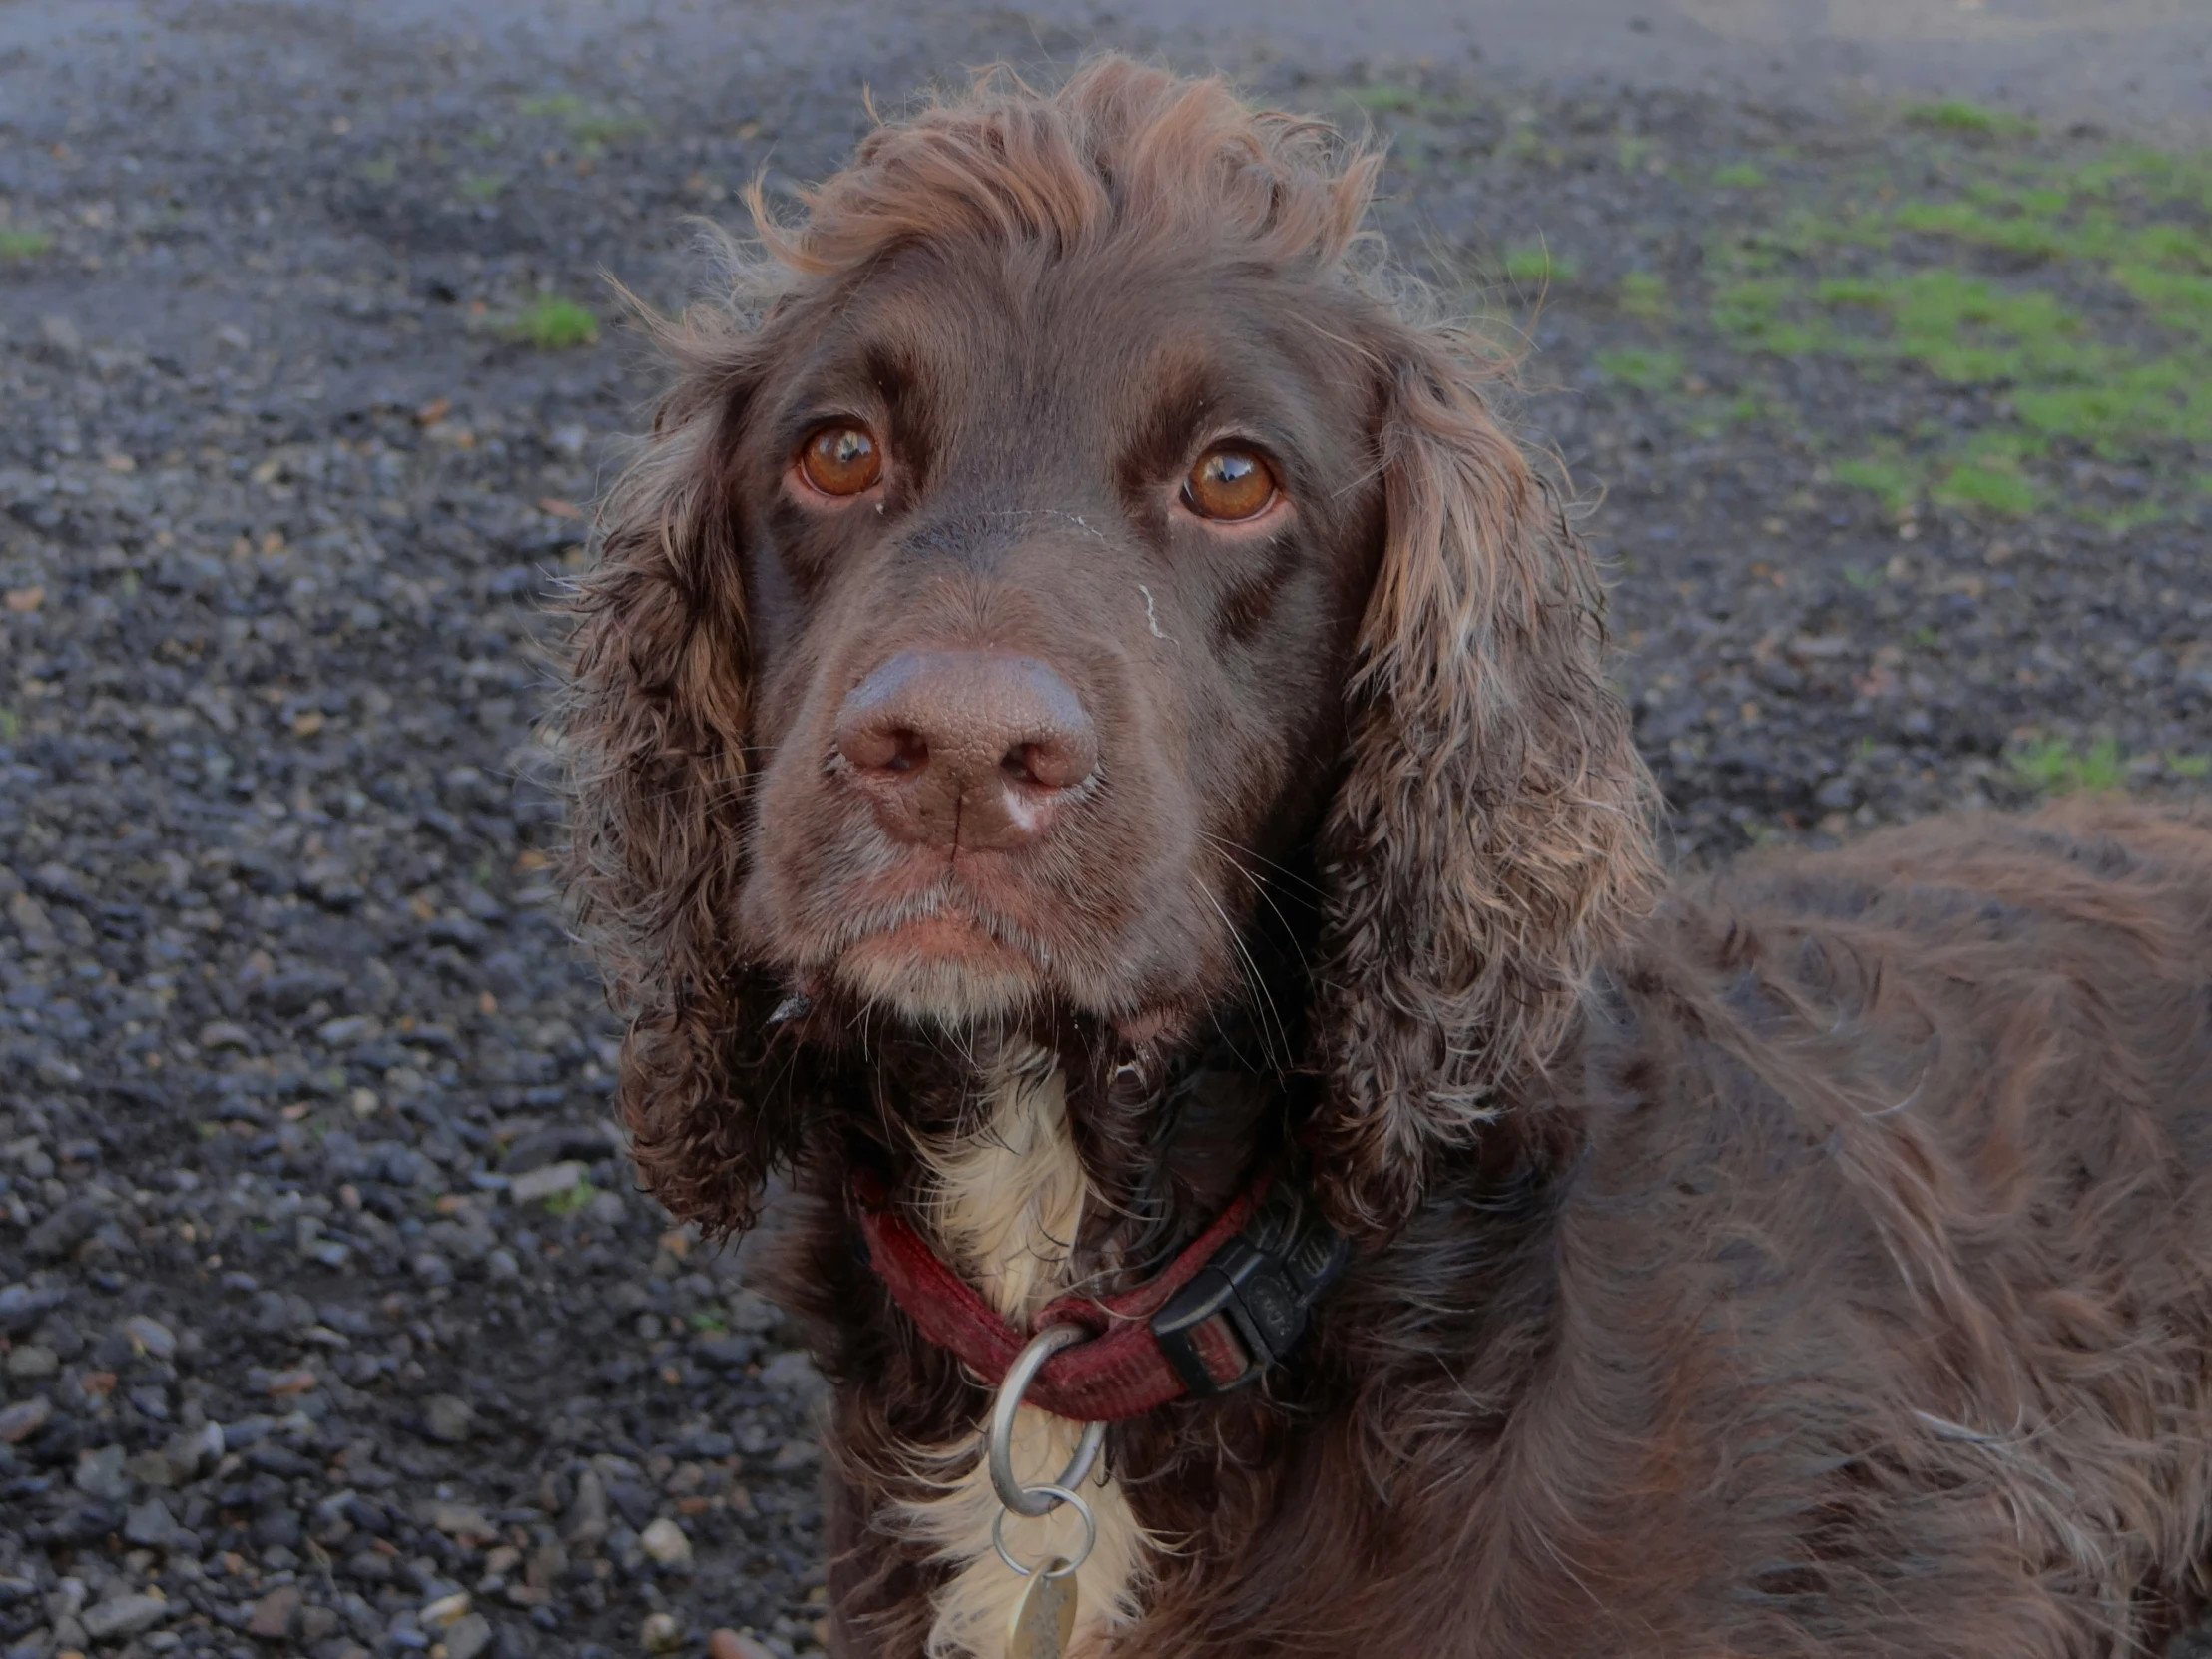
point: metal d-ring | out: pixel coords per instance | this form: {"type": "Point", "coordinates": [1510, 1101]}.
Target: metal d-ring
{"type": "Point", "coordinates": [1035, 1502]}
{"type": "Point", "coordinates": [1051, 1566]}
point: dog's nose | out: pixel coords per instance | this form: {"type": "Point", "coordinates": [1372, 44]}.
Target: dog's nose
{"type": "Point", "coordinates": [968, 750]}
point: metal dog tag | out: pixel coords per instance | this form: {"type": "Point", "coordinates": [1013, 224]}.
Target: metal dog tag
{"type": "Point", "coordinates": [1044, 1617]}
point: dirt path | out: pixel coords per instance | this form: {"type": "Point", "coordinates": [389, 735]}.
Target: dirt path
{"type": "Point", "coordinates": [2142, 67]}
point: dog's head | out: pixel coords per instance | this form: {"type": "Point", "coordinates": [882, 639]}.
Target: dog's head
{"type": "Point", "coordinates": [1049, 543]}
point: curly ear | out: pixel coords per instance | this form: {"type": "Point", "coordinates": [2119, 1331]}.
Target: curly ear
{"type": "Point", "coordinates": [653, 725]}
{"type": "Point", "coordinates": [1492, 834]}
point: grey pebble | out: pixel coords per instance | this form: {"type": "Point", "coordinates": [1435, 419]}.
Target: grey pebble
{"type": "Point", "coordinates": [123, 1615]}
{"type": "Point", "coordinates": [448, 1419]}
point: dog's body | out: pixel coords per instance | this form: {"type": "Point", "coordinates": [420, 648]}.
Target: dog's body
{"type": "Point", "coordinates": [1082, 707]}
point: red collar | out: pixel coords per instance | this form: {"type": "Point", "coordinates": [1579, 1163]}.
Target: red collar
{"type": "Point", "coordinates": [1229, 1305]}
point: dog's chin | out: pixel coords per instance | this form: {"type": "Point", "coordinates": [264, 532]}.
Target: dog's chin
{"type": "Point", "coordinates": [941, 971]}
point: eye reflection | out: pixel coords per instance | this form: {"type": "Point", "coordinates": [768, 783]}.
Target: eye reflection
{"type": "Point", "coordinates": [840, 459]}
{"type": "Point", "coordinates": [1229, 485]}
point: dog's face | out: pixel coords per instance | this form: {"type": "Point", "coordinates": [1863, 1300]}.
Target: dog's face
{"type": "Point", "coordinates": [1057, 536]}
{"type": "Point", "coordinates": [1053, 567]}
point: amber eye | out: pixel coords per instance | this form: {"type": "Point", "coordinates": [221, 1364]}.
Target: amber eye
{"type": "Point", "coordinates": [842, 460]}
{"type": "Point", "coordinates": [1229, 485]}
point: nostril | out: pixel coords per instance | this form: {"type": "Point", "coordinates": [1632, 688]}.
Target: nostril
{"type": "Point", "coordinates": [909, 751]}
{"type": "Point", "coordinates": [1047, 763]}
{"type": "Point", "coordinates": [885, 748]}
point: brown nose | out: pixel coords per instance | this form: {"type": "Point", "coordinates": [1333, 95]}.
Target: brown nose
{"type": "Point", "coordinates": [968, 750]}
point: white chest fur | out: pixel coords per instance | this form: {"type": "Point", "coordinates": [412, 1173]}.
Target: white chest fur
{"type": "Point", "coordinates": [1007, 1202]}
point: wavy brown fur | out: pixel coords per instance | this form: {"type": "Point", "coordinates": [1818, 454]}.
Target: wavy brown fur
{"type": "Point", "coordinates": [1814, 1265]}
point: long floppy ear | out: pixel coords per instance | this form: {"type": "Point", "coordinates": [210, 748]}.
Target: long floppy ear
{"type": "Point", "coordinates": [654, 725]}
{"type": "Point", "coordinates": [1493, 829]}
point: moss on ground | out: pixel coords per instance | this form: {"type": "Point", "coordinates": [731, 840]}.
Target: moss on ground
{"type": "Point", "coordinates": [2074, 294]}
{"type": "Point", "coordinates": [552, 323]}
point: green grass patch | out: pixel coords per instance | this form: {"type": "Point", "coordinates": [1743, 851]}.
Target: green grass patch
{"type": "Point", "coordinates": [480, 187]}
{"type": "Point", "coordinates": [1753, 314]}
{"type": "Point", "coordinates": [1739, 176]}
{"type": "Point", "coordinates": [1984, 487]}
{"type": "Point", "coordinates": [11, 725]}
{"type": "Point", "coordinates": [552, 323]}
{"type": "Point", "coordinates": [589, 125]}
{"type": "Point", "coordinates": [1895, 485]}
{"type": "Point", "coordinates": [1644, 294]}
{"type": "Point", "coordinates": [1852, 290]}
{"type": "Point", "coordinates": [1958, 115]}
{"type": "Point", "coordinates": [1647, 369]}
{"type": "Point", "coordinates": [382, 170]}
{"type": "Point", "coordinates": [24, 245]}
{"type": "Point", "coordinates": [709, 1318]}
{"type": "Point", "coordinates": [1966, 329]}
{"type": "Point", "coordinates": [2056, 767]}
{"type": "Point", "coordinates": [569, 1201]}
{"type": "Point", "coordinates": [558, 105]}
{"type": "Point", "coordinates": [1384, 98]}
{"type": "Point", "coordinates": [1534, 264]}
{"type": "Point", "coordinates": [2189, 766]}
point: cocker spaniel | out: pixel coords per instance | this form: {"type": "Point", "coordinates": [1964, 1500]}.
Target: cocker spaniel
{"type": "Point", "coordinates": [1093, 759]}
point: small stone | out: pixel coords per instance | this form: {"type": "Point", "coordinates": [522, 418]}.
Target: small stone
{"type": "Point", "coordinates": [461, 1520]}
{"type": "Point", "coordinates": [448, 1419]}
{"type": "Point", "coordinates": [662, 1633]}
{"type": "Point", "coordinates": [547, 1564]}
{"type": "Point", "coordinates": [500, 1266]}
{"type": "Point", "coordinates": [793, 1376]}
{"type": "Point", "coordinates": [664, 1542]}
{"type": "Point", "coordinates": [192, 1449]}
{"type": "Point", "coordinates": [150, 1337]}
{"type": "Point", "coordinates": [125, 1615]}
{"type": "Point", "coordinates": [272, 1614]}
{"type": "Point", "coordinates": [150, 1523]}
{"type": "Point", "coordinates": [370, 1566]}
{"type": "Point", "coordinates": [349, 1029]}
{"type": "Point", "coordinates": [432, 1269]}
{"type": "Point", "coordinates": [33, 1359]}
{"type": "Point", "coordinates": [607, 1209]}
{"type": "Point", "coordinates": [577, 1143]}
{"type": "Point", "coordinates": [62, 1231]}
{"type": "Point", "coordinates": [20, 1421]}
{"type": "Point", "coordinates": [60, 336]}
{"type": "Point", "coordinates": [100, 1474]}
{"type": "Point", "coordinates": [753, 1312]}
{"type": "Point", "coordinates": [446, 1610]}
{"type": "Point", "coordinates": [563, 1176]}
{"type": "Point", "coordinates": [223, 1033]}
{"type": "Point", "coordinates": [276, 1530]}
{"type": "Point", "coordinates": [586, 1521]}
{"type": "Point", "coordinates": [20, 1306]}
{"type": "Point", "coordinates": [729, 1644]}
{"type": "Point", "coordinates": [469, 1636]}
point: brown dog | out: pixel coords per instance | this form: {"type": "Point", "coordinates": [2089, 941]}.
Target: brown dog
{"type": "Point", "coordinates": [1093, 752]}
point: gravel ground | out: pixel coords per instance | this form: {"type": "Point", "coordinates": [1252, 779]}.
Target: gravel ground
{"type": "Point", "coordinates": [329, 1320]}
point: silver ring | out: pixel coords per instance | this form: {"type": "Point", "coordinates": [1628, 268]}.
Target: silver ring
{"type": "Point", "coordinates": [999, 1444]}
{"type": "Point", "coordinates": [1067, 1563]}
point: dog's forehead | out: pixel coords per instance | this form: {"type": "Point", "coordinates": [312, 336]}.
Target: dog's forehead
{"type": "Point", "coordinates": [1096, 336]}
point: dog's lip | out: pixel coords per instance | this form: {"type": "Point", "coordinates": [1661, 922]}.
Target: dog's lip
{"type": "Point", "coordinates": [944, 919]}
{"type": "Point", "coordinates": [949, 933]}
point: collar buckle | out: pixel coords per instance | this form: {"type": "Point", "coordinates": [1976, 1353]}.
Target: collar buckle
{"type": "Point", "coordinates": [1249, 1305]}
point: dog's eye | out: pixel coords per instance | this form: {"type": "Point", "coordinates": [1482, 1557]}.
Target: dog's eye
{"type": "Point", "coordinates": [1229, 485]}
{"type": "Point", "coordinates": [842, 460]}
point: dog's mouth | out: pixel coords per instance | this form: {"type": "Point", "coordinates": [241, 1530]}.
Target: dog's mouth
{"type": "Point", "coordinates": [943, 956]}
